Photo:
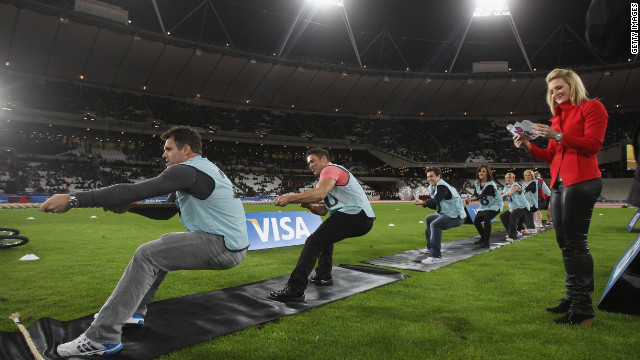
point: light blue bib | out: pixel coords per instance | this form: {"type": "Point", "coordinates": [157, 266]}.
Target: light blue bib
{"type": "Point", "coordinates": [220, 214]}
{"type": "Point", "coordinates": [453, 207]}
{"type": "Point", "coordinates": [349, 198]}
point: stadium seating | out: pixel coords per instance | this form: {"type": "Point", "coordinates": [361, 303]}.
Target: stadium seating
{"type": "Point", "coordinates": [422, 140]}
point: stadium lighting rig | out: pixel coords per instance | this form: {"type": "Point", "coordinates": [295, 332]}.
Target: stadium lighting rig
{"type": "Point", "coordinates": [308, 9]}
{"type": "Point", "coordinates": [493, 8]}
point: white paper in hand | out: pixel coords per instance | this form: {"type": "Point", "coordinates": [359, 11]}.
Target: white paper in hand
{"type": "Point", "coordinates": [523, 128]}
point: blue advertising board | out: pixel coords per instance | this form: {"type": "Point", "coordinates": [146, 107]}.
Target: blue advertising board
{"type": "Point", "coordinates": [23, 199]}
{"type": "Point", "coordinates": [622, 265]}
{"type": "Point", "coordinates": [472, 211]}
{"type": "Point", "coordinates": [277, 229]}
{"type": "Point", "coordinates": [634, 220]}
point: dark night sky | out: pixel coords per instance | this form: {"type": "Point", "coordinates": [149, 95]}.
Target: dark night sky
{"type": "Point", "coordinates": [425, 32]}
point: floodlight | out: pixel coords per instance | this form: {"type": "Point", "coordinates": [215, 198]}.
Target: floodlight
{"type": "Point", "coordinates": [327, 2]}
{"type": "Point", "coordinates": [491, 8]}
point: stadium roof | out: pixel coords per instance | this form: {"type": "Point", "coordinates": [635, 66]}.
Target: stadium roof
{"type": "Point", "coordinates": [397, 58]}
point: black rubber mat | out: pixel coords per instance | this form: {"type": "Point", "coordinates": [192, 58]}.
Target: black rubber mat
{"type": "Point", "coordinates": [180, 322]}
{"type": "Point", "coordinates": [452, 251]}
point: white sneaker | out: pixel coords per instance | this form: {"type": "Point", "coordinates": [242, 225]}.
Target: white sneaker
{"type": "Point", "coordinates": [532, 231]}
{"type": "Point", "coordinates": [431, 260]}
{"type": "Point", "coordinates": [424, 251]}
{"type": "Point", "coordinates": [83, 346]}
{"type": "Point", "coordinates": [509, 239]}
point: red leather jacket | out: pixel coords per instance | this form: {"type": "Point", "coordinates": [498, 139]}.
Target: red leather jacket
{"type": "Point", "coordinates": [582, 128]}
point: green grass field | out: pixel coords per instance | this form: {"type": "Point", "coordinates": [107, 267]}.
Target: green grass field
{"type": "Point", "coordinates": [491, 306]}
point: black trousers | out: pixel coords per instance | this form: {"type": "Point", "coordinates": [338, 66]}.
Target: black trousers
{"type": "Point", "coordinates": [510, 220]}
{"type": "Point", "coordinates": [572, 207]}
{"type": "Point", "coordinates": [484, 216]}
{"type": "Point", "coordinates": [526, 222]}
{"type": "Point", "coordinates": [319, 245]}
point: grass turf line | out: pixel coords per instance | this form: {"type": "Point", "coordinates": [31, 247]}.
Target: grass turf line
{"type": "Point", "coordinates": [486, 307]}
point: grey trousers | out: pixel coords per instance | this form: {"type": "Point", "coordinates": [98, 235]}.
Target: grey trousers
{"type": "Point", "coordinates": [147, 269]}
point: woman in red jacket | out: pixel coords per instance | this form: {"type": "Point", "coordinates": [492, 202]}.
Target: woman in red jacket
{"type": "Point", "coordinates": [575, 137]}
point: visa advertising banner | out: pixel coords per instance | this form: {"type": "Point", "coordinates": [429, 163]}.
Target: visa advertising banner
{"type": "Point", "coordinates": [277, 229]}
{"type": "Point", "coordinates": [472, 211]}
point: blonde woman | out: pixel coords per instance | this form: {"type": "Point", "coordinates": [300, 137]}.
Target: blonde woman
{"type": "Point", "coordinates": [530, 187]}
{"type": "Point", "coordinates": [575, 137]}
{"type": "Point", "coordinates": [518, 206]}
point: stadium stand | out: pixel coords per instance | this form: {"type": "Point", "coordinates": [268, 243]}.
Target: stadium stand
{"type": "Point", "coordinates": [97, 157]}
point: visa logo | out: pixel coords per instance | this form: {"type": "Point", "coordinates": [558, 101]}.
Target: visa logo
{"type": "Point", "coordinates": [283, 228]}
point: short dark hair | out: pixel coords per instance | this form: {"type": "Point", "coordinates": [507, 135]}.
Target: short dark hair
{"type": "Point", "coordinates": [436, 170]}
{"type": "Point", "coordinates": [319, 152]}
{"type": "Point", "coordinates": [489, 172]}
{"type": "Point", "coordinates": [184, 135]}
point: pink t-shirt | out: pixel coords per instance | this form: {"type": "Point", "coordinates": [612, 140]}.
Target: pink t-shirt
{"type": "Point", "coordinates": [333, 172]}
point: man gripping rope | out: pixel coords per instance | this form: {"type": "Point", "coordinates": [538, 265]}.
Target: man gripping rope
{"type": "Point", "coordinates": [351, 216]}
{"type": "Point", "coordinates": [216, 238]}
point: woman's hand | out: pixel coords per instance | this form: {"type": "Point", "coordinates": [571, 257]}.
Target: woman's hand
{"type": "Point", "coordinates": [520, 141]}
{"type": "Point", "coordinates": [544, 130]}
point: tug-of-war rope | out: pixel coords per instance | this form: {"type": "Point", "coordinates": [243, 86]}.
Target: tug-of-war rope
{"type": "Point", "coordinates": [9, 206]}
{"type": "Point", "coordinates": [37, 205]}
{"type": "Point", "coordinates": [15, 317]}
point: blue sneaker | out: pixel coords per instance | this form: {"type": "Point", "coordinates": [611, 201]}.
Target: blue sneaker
{"type": "Point", "coordinates": [135, 321]}
{"type": "Point", "coordinates": [84, 346]}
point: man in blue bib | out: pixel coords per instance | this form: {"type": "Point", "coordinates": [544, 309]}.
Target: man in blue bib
{"type": "Point", "coordinates": [351, 216]}
{"type": "Point", "coordinates": [216, 238]}
{"type": "Point", "coordinates": [449, 212]}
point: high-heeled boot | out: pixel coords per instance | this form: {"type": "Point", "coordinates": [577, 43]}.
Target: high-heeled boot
{"type": "Point", "coordinates": [572, 318]}
{"type": "Point", "coordinates": [564, 305]}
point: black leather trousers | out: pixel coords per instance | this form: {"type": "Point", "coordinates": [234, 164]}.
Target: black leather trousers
{"type": "Point", "coordinates": [572, 207]}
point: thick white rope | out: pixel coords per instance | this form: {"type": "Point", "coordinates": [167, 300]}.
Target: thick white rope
{"type": "Point", "coordinates": [16, 320]}
{"type": "Point", "coordinates": [8, 206]}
